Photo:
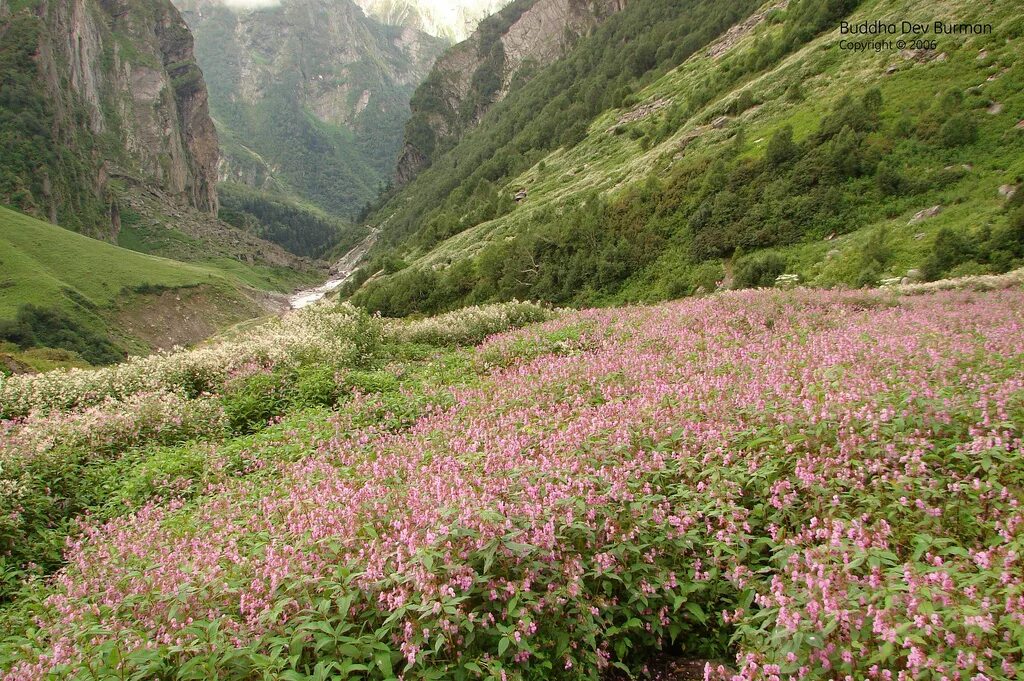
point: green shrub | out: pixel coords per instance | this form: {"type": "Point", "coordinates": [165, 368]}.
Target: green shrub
{"type": "Point", "coordinates": [873, 257]}
{"type": "Point", "coordinates": [37, 327]}
{"type": "Point", "coordinates": [372, 381]}
{"type": "Point", "coordinates": [1003, 247]}
{"type": "Point", "coordinates": [759, 270]}
{"type": "Point", "coordinates": [316, 386]}
{"type": "Point", "coordinates": [781, 147]}
{"type": "Point", "coordinates": [252, 402]}
{"type": "Point", "coordinates": [706, 277]}
{"type": "Point", "coordinates": [949, 249]}
{"type": "Point", "coordinates": [890, 180]}
{"type": "Point", "coordinates": [959, 130]}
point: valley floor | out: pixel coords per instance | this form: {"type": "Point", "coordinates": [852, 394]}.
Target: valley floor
{"type": "Point", "coordinates": [805, 484]}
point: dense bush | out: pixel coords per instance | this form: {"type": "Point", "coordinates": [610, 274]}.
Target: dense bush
{"type": "Point", "coordinates": [37, 327]}
{"type": "Point", "coordinates": [958, 130]}
{"type": "Point", "coordinates": [949, 250]}
{"type": "Point", "coordinates": [706, 278]}
{"type": "Point", "coordinates": [255, 400]}
{"type": "Point", "coordinates": [759, 270]}
{"type": "Point", "coordinates": [989, 249]}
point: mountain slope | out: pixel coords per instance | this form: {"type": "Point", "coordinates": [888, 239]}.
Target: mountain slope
{"type": "Point", "coordinates": [769, 152]}
{"type": "Point", "coordinates": [311, 96]}
{"type": "Point", "coordinates": [504, 51]}
{"type": "Point", "coordinates": [104, 118]}
{"type": "Point", "coordinates": [64, 290]}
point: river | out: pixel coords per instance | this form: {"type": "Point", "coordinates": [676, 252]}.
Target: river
{"type": "Point", "coordinates": [341, 272]}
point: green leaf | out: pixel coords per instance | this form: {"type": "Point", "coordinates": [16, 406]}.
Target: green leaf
{"type": "Point", "coordinates": [697, 611]}
{"type": "Point", "coordinates": [383, 662]}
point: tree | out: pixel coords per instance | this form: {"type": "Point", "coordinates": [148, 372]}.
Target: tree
{"type": "Point", "coordinates": [958, 130]}
{"type": "Point", "coordinates": [781, 148]}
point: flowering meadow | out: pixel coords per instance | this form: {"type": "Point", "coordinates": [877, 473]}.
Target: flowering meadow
{"type": "Point", "coordinates": [793, 484]}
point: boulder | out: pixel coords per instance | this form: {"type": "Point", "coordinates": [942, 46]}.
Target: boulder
{"type": "Point", "coordinates": [641, 112]}
{"type": "Point", "coordinates": [925, 214]}
{"type": "Point", "coordinates": [994, 108]}
{"type": "Point", "coordinates": [1007, 191]}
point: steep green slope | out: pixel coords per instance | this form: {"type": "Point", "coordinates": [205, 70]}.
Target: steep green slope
{"type": "Point", "coordinates": [772, 137]}
{"type": "Point", "coordinates": [553, 109]}
{"type": "Point", "coordinates": [60, 289]}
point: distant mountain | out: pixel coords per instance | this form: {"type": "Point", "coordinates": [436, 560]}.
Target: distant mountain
{"type": "Point", "coordinates": [310, 96]}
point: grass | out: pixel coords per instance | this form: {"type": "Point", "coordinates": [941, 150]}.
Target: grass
{"type": "Point", "coordinates": [46, 265]}
{"type": "Point", "coordinates": [100, 285]}
{"type": "Point", "coordinates": [164, 241]}
{"type": "Point", "coordinates": [40, 359]}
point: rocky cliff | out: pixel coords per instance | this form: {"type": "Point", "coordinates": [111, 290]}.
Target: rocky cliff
{"type": "Point", "coordinates": [477, 73]}
{"type": "Point", "coordinates": [311, 96]}
{"type": "Point", "coordinates": [105, 94]}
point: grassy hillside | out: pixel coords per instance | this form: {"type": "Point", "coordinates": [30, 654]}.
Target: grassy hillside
{"type": "Point", "coordinates": [44, 263]}
{"type": "Point", "coordinates": [771, 152]}
{"type": "Point", "coordinates": [60, 289]}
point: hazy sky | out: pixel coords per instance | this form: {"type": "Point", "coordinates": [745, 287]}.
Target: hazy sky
{"type": "Point", "coordinates": [249, 4]}
{"type": "Point", "coordinates": [450, 13]}
{"type": "Point", "coordinates": [441, 7]}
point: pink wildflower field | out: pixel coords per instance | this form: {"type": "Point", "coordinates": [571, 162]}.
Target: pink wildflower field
{"type": "Point", "coordinates": [795, 485]}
